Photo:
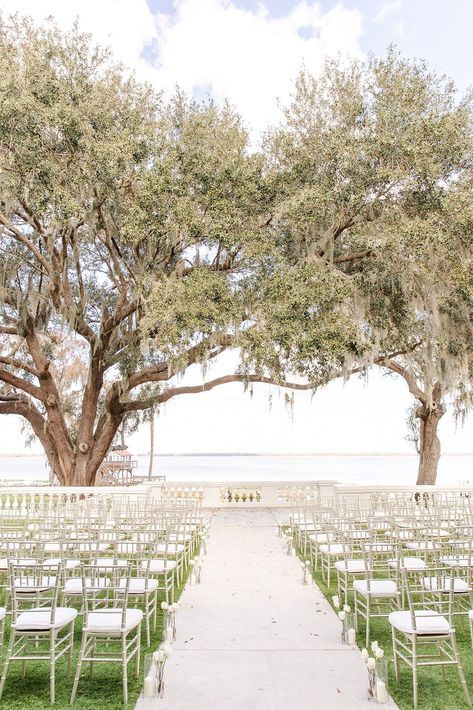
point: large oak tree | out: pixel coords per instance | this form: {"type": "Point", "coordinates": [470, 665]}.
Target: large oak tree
{"type": "Point", "coordinates": [372, 170]}
{"type": "Point", "coordinates": [110, 196]}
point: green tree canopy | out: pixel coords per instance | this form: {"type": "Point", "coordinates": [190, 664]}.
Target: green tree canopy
{"type": "Point", "coordinates": [131, 229]}
{"type": "Point", "coordinates": [372, 168]}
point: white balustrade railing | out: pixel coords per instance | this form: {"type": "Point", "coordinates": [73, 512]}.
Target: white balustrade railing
{"type": "Point", "coordinates": [22, 500]}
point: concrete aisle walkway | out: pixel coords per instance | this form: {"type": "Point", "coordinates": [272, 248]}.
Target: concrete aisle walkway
{"type": "Point", "coordinates": [252, 636]}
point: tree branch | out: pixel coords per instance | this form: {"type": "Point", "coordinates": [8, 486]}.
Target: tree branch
{"type": "Point", "coordinates": [352, 257]}
{"type": "Point", "coordinates": [20, 365]}
{"type": "Point", "coordinates": [20, 237]}
{"type": "Point", "coordinates": [23, 385]}
{"type": "Point", "coordinates": [414, 388]}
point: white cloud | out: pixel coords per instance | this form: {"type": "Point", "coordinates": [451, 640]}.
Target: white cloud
{"type": "Point", "coordinates": [388, 10]}
{"type": "Point", "coordinates": [212, 45]}
{"type": "Point", "coordinates": [248, 56]}
{"type": "Point", "coordinates": [124, 25]}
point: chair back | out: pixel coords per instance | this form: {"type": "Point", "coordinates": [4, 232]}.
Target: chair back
{"type": "Point", "coordinates": [105, 589]}
{"type": "Point", "coordinates": [428, 591]}
{"type": "Point", "coordinates": [31, 585]}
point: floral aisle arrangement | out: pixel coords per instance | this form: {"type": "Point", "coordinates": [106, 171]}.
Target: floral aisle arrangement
{"type": "Point", "coordinates": [377, 668]}
{"type": "Point", "coordinates": [288, 542]}
{"type": "Point", "coordinates": [346, 616]}
{"type": "Point", "coordinates": [306, 575]}
{"type": "Point", "coordinates": [169, 621]}
{"type": "Point", "coordinates": [196, 568]}
{"type": "Point", "coordinates": [154, 671]}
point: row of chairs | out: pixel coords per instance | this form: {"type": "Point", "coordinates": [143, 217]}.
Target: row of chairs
{"type": "Point", "coordinates": [405, 560]}
{"type": "Point", "coordinates": [104, 562]}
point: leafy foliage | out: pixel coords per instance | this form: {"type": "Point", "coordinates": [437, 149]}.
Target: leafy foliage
{"type": "Point", "coordinates": [142, 236]}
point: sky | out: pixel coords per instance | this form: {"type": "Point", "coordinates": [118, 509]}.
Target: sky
{"type": "Point", "coordinates": [250, 52]}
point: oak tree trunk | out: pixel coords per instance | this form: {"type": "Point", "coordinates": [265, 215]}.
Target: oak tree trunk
{"type": "Point", "coordinates": [151, 448]}
{"type": "Point", "coordinates": [429, 443]}
{"type": "Point", "coordinates": [80, 468]}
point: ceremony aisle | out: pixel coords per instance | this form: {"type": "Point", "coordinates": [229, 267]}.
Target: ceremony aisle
{"type": "Point", "coordinates": [252, 636]}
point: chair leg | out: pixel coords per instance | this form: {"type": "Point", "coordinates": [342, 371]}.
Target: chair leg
{"type": "Point", "coordinates": [125, 670]}
{"type": "Point", "coordinates": [7, 662]}
{"type": "Point", "coordinates": [69, 652]}
{"type": "Point", "coordinates": [138, 652]}
{"type": "Point", "coordinates": [52, 673]}
{"type": "Point", "coordinates": [368, 609]}
{"type": "Point", "coordinates": [155, 612]}
{"type": "Point", "coordinates": [79, 667]}
{"type": "Point", "coordinates": [395, 656]}
{"type": "Point", "coordinates": [414, 671]}
{"type": "Point", "coordinates": [355, 609]}
{"type": "Point", "coordinates": [460, 670]}
{"type": "Point", "coordinates": [148, 633]}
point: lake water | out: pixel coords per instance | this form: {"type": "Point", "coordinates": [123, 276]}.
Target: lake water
{"type": "Point", "coordinates": [365, 469]}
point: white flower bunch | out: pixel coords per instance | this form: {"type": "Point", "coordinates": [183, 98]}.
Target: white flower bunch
{"type": "Point", "coordinates": [371, 663]}
{"type": "Point", "coordinates": [364, 654]}
{"type": "Point", "coordinates": [379, 653]}
{"type": "Point", "coordinates": [164, 606]}
{"type": "Point", "coordinates": [336, 602]}
{"type": "Point", "coordinates": [175, 606]}
{"type": "Point", "coordinates": [374, 646]}
{"type": "Point", "coordinates": [158, 656]}
{"type": "Point", "coordinates": [346, 607]}
{"type": "Point", "coordinates": [342, 615]}
{"type": "Point", "coordinates": [166, 648]}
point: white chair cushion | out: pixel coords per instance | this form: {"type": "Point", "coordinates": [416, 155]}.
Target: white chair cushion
{"type": "Point", "coordinates": [408, 563]}
{"type": "Point", "coordinates": [173, 548]}
{"type": "Point", "coordinates": [73, 585]}
{"type": "Point", "coordinates": [428, 622]}
{"type": "Point", "coordinates": [138, 585]}
{"type": "Point", "coordinates": [332, 549]}
{"type": "Point", "coordinates": [179, 538]}
{"type": "Point", "coordinates": [126, 548]}
{"type": "Point", "coordinates": [108, 562]}
{"type": "Point", "coordinates": [29, 585]}
{"type": "Point", "coordinates": [350, 566]}
{"type": "Point", "coordinates": [423, 545]}
{"type": "Point", "coordinates": [109, 621]}
{"type": "Point", "coordinates": [358, 535]}
{"type": "Point", "coordinates": [22, 561]}
{"type": "Point", "coordinates": [456, 561]}
{"type": "Point", "coordinates": [55, 561]}
{"type": "Point", "coordinates": [40, 619]}
{"type": "Point", "coordinates": [380, 525]}
{"type": "Point", "coordinates": [432, 584]}
{"type": "Point", "coordinates": [157, 566]}
{"type": "Point", "coordinates": [400, 534]}
{"type": "Point", "coordinates": [378, 587]}
{"type": "Point", "coordinates": [92, 547]}
{"type": "Point", "coordinates": [53, 546]}
{"type": "Point", "coordinates": [379, 547]}
{"type": "Point", "coordinates": [319, 537]}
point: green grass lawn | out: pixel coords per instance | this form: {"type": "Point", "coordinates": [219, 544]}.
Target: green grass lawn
{"type": "Point", "coordinates": [102, 690]}
{"type": "Point", "coordinates": [435, 692]}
